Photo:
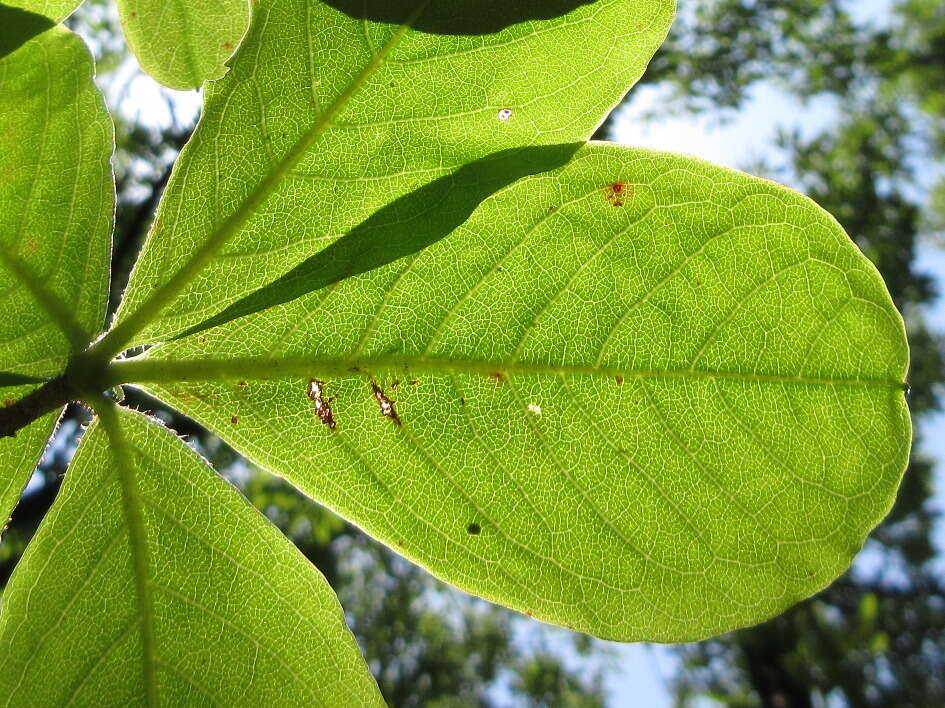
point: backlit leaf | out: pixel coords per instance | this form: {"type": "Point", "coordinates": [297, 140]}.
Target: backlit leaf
{"type": "Point", "coordinates": [182, 43]}
{"type": "Point", "coordinates": [56, 203]}
{"type": "Point", "coordinates": [641, 396]}
{"type": "Point", "coordinates": [230, 612]}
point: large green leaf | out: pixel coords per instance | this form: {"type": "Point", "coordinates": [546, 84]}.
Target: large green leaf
{"type": "Point", "coordinates": [182, 43]}
{"type": "Point", "coordinates": [334, 110]}
{"type": "Point", "coordinates": [152, 579]}
{"type": "Point", "coordinates": [56, 203]}
{"type": "Point", "coordinates": [642, 396]}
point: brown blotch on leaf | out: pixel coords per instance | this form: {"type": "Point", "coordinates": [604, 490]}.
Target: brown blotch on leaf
{"type": "Point", "coordinates": [618, 379]}
{"type": "Point", "coordinates": [414, 382]}
{"type": "Point", "coordinates": [322, 404]}
{"type": "Point", "coordinates": [9, 402]}
{"type": "Point", "coordinates": [242, 384]}
{"type": "Point", "coordinates": [386, 405]}
{"type": "Point", "coordinates": [228, 45]}
{"type": "Point", "coordinates": [618, 193]}
{"type": "Point", "coordinates": [235, 419]}
{"type": "Point", "coordinates": [497, 376]}
{"type": "Point", "coordinates": [474, 529]}
{"type": "Point", "coordinates": [529, 613]}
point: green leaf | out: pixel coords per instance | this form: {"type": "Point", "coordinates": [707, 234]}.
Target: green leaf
{"type": "Point", "coordinates": [233, 613]}
{"type": "Point", "coordinates": [641, 396]}
{"type": "Point", "coordinates": [330, 114]}
{"type": "Point", "coordinates": [56, 203]}
{"type": "Point", "coordinates": [19, 455]}
{"type": "Point", "coordinates": [55, 10]}
{"type": "Point", "coordinates": [182, 43]}
{"type": "Point", "coordinates": [20, 26]}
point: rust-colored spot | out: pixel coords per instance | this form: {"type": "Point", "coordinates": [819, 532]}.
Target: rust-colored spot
{"type": "Point", "coordinates": [618, 379]}
{"type": "Point", "coordinates": [228, 45]}
{"type": "Point", "coordinates": [529, 613]}
{"type": "Point", "coordinates": [414, 382]}
{"type": "Point", "coordinates": [497, 376]}
{"type": "Point", "coordinates": [242, 384]}
{"type": "Point", "coordinates": [618, 193]}
{"type": "Point", "coordinates": [9, 402]}
{"type": "Point", "coordinates": [134, 15]}
{"type": "Point", "coordinates": [235, 419]}
{"type": "Point", "coordinates": [322, 404]}
{"type": "Point", "coordinates": [386, 405]}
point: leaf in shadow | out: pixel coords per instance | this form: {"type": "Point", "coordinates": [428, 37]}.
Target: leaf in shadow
{"type": "Point", "coordinates": [19, 27]}
{"type": "Point", "coordinates": [405, 226]}
{"type": "Point", "coordinates": [10, 379]}
{"type": "Point", "coordinates": [467, 17]}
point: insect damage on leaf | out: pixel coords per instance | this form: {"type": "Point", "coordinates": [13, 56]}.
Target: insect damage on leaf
{"type": "Point", "coordinates": [386, 405]}
{"type": "Point", "coordinates": [617, 193]}
{"type": "Point", "coordinates": [505, 114]}
{"type": "Point", "coordinates": [474, 529]}
{"type": "Point", "coordinates": [322, 404]}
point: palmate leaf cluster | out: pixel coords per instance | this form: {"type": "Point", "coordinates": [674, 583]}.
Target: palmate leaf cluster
{"type": "Point", "coordinates": [618, 390]}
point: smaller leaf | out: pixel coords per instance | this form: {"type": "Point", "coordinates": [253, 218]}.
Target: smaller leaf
{"type": "Point", "coordinates": [57, 202]}
{"type": "Point", "coordinates": [233, 613]}
{"type": "Point", "coordinates": [182, 43]}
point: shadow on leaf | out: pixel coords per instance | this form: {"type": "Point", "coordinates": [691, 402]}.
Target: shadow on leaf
{"type": "Point", "coordinates": [467, 17]}
{"type": "Point", "coordinates": [19, 27]}
{"type": "Point", "coordinates": [405, 226]}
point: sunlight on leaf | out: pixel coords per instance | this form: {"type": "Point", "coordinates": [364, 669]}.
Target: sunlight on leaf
{"type": "Point", "coordinates": [668, 396]}
{"type": "Point", "coordinates": [57, 199]}
{"type": "Point", "coordinates": [238, 615]}
{"type": "Point", "coordinates": [182, 43]}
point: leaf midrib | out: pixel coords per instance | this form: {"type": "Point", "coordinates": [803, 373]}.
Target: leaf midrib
{"type": "Point", "coordinates": [146, 370]}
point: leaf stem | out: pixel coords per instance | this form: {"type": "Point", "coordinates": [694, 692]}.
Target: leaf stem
{"type": "Point", "coordinates": [146, 370]}
{"type": "Point", "coordinates": [131, 507]}
{"type": "Point", "coordinates": [47, 398]}
{"type": "Point", "coordinates": [51, 303]}
{"type": "Point", "coordinates": [124, 331]}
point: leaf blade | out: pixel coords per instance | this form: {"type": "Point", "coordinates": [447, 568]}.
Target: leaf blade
{"type": "Point", "coordinates": [183, 43]}
{"type": "Point", "coordinates": [57, 194]}
{"type": "Point", "coordinates": [208, 594]}
{"type": "Point", "coordinates": [767, 438]}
